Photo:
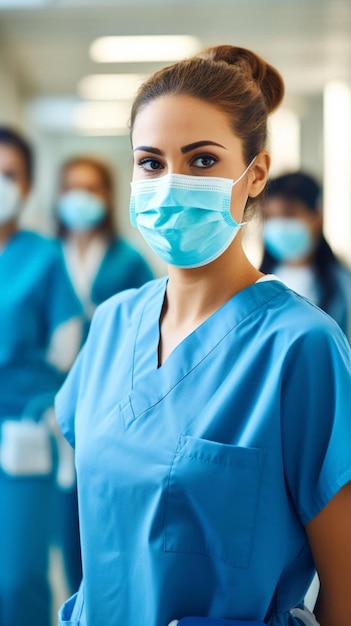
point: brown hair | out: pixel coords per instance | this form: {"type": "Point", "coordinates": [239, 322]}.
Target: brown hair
{"type": "Point", "coordinates": [107, 226]}
{"type": "Point", "coordinates": [236, 80]}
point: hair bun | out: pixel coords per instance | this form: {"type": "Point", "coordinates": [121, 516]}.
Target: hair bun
{"type": "Point", "coordinates": [265, 75]}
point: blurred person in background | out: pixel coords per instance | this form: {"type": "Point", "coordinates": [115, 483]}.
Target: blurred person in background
{"type": "Point", "coordinates": [295, 248]}
{"type": "Point", "coordinates": [100, 264]}
{"type": "Point", "coordinates": [40, 331]}
{"type": "Point", "coordinates": [99, 261]}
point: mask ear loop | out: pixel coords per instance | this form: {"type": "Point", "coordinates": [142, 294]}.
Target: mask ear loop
{"type": "Point", "coordinates": [245, 171]}
{"type": "Point", "coordinates": [241, 224]}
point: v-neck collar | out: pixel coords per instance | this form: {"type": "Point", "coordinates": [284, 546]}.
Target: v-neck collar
{"type": "Point", "coordinates": [151, 383]}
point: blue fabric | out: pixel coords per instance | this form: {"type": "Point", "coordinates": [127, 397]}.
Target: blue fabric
{"type": "Point", "coordinates": [339, 306]}
{"type": "Point", "coordinates": [25, 533]}
{"type": "Point", "coordinates": [204, 621]}
{"type": "Point", "coordinates": [195, 478]}
{"type": "Point", "coordinates": [122, 267]}
{"type": "Point", "coordinates": [66, 524]}
{"type": "Point", "coordinates": [36, 297]}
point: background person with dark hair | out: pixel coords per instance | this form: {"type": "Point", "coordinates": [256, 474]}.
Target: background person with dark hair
{"type": "Point", "coordinates": [296, 250]}
{"type": "Point", "coordinates": [40, 333]}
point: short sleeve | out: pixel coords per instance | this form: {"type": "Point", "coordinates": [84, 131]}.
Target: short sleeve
{"type": "Point", "coordinates": [81, 374]}
{"type": "Point", "coordinates": [67, 398]}
{"type": "Point", "coordinates": [316, 418]}
{"type": "Point", "coordinates": [61, 301]}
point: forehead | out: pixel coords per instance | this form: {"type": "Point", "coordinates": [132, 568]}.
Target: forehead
{"type": "Point", "coordinates": [279, 205]}
{"type": "Point", "coordinates": [81, 172]}
{"type": "Point", "coordinates": [182, 119]}
{"type": "Point", "coordinates": [11, 159]}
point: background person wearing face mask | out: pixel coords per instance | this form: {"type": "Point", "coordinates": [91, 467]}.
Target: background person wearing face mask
{"type": "Point", "coordinates": [40, 334]}
{"type": "Point", "coordinates": [296, 250]}
{"type": "Point", "coordinates": [99, 262]}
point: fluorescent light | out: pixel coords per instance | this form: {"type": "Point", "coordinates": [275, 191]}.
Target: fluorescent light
{"type": "Point", "coordinates": [143, 48]}
{"type": "Point", "coordinates": [110, 86]}
{"type": "Point", "coordinates": [67, 115]}
{"type": "Point", "coordinates": [337, 166]}
{"type": "Point", "coordinates": [100, 116]}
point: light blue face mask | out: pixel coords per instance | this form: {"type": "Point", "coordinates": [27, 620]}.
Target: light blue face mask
{"type": "Point", "coordinates": [287, 239]}
{"type": "Point", "coordinates": [186, 220]}
{"type": "Point", "coordinates": [80, 210]}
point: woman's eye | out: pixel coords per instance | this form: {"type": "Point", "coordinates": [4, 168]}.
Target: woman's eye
{"type": "Point", "coordinates": [151, 165]}
{"type": "Point", "coordinates": [204, 160]}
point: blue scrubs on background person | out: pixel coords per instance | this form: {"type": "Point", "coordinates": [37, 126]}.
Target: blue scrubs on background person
{"type": "Point", "coordinates": [40, 329]}
{"type": "Point", "coordinates": [100, 263]}
{"type": "Point", "coordinates": [209, 410]}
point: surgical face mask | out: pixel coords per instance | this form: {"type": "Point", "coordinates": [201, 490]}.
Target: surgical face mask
{"type": "Point", "coordinates": [10, 200]}
{"type": "Point", "coordinates": [186, 220]}
{"type": "Point", "coordinates": [80, 210]}
{"type": "Point", "coordinates": [287, 239]}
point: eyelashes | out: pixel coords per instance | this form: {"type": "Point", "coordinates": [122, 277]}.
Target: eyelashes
{"type": "Point", "coordinates": [200, 161]}
{"type": "Point", "coordinates": [204, 161]}
{"type": "Point", "coordinates": [150, 164]}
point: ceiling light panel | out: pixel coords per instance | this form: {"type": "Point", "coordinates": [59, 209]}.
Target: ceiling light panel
{"type": "Point", "coordinates": [110, 86]}
{"type": "Point", "coordinates": [95, 116]}
{"type": "Point", "coordinates": [143, 48]}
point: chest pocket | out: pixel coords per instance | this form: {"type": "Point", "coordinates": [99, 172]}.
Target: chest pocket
{"type": "Point", "coordinates": [211, 500]}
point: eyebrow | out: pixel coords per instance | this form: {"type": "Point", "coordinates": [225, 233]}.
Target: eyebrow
{"type": "Point", "coordinates": [200, 144]}
{"type": "Point", "coordinates": [184, 149]}
{"type": "Point", "coordinates": [149, 149]}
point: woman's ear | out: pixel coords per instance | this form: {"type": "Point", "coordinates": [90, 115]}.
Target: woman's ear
{"type": "Point", "coordinates": [259, 173]}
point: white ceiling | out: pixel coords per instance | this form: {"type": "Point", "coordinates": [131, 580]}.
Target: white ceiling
{"type": "Point", "coordinates": [47, 44]}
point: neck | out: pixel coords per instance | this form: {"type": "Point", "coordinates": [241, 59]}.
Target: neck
{"type": "Point", "coordinates": [82, 240]}
{"type": "Point", "coordinates": [7, 230]}
{"type": "Point", "coordinates": [197, 293]}
{"type": "Point", "coordinates": [305, 262]}
{"type": "Point", "coordinates": [194, 295]}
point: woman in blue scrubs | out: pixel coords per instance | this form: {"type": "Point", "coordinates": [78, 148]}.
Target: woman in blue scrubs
{"type": "Point", "coordinates": [209, 410]}
{"type": "Point", "coordinates": [40, 330]}
{"type": "Point", "coordinates": [99, 261]}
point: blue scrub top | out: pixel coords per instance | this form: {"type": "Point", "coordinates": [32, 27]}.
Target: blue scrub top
{"type": "Point", "coordinates": [36, 297]}
{"type": "Point", "coordinates": [196, 478]}
{"type": "Point", "coordinates": [122, 267]}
